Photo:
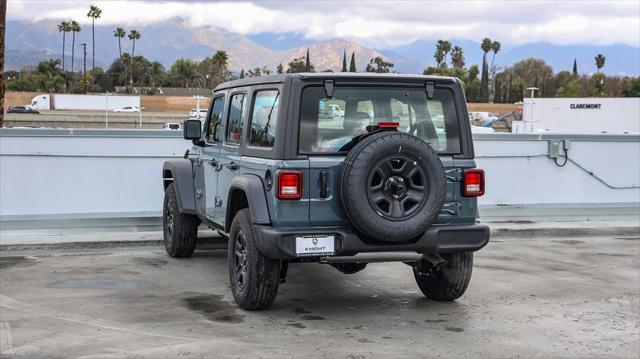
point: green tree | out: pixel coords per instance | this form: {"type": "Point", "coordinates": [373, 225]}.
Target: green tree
{"type": "Point", "coordinates": [260, 71]}
{"type": "Point", "coordinates": [352, 63]}
{"type": "Point", "coordinates": [378, 65]}
{"type": "Point", "coordinates": [184, 72]}
{"type": "Point", "coordinates": [297, 65]}
{"type": "Point", "coordinates": [446, 47]}
{"type": "Point", "coordinates": [600, 59]}
{"type": "Point", "coordinates": [575, 67]}
{"type": "Point", "coordinates": [308, 66]}
{"type": "Point", "coordinates": [213, 69]}
{"type": "Point", "coordinates": [486, 45]}
{"type": "Point", "coordinates": [495, 47]}
{"type": "Point", "coordinates": [442, 48]}
{"type": "Point", "coordinates": [242, 73]}
{"type": "Point", "coordinates": [64, 27]}
{"type": "Point", "coordinates": [133, 36]}
{"type": "Point", "coordinates": [94, 13]}
{"type": "Point", "coordinates": [631, 87]}
{"type": "Point", "coordinates": [344, 61]}
{"type": "Point", "coordinates": [597, 84]}
{"type": "Point", "coordinates": [457, 57]}
{"type": "Point", "coordinates": [221, 59]}
{"type": "Point", "coordinates": [119, 33]}
{"type": "Point", "coordinates": [280, 69]}
{"type": "Point", "coordinates": [75, 27]}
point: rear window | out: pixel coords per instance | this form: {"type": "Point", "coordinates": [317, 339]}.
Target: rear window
{"type": "Point", "coordinates": [326, 125]}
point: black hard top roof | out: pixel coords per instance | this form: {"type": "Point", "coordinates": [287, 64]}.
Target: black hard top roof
{"type": "Point", "coordinates": [258, 80]}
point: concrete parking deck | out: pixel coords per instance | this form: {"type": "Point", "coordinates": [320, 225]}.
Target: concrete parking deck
{"type": "Point", "coordinates": [550, 297]}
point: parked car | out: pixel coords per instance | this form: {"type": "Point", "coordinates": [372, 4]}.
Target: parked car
{"type": "Point", "coordinates": [172, 126]}
{"type": "Point", "coordinates": [22, 109]}
{"type": "Point", "coordinates": [287, 187]}
{"type": "Point", "coordinates": [332, 111]}
{"type": "Point", "coordinates": [195, 113]}
{"type": "Point", "coordinates": [128, 109]}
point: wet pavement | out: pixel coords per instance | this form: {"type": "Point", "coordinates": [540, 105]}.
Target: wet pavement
{"type": "Point", "coordinates": [547, 298]}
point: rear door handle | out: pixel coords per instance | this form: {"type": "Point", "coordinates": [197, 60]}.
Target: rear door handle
{"type": "Point", "coordinates": [233, 166]}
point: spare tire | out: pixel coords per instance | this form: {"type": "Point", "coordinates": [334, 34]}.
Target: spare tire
{"type": "Point", "coordinates": [393, 186]}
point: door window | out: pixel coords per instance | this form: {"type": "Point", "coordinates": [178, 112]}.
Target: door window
{"type": "Point", "coordinates": [237, 109]}
{"type": "Point", "coordinates": [264, 118]}
{"type": "Point", "coordinates": [214, 127]}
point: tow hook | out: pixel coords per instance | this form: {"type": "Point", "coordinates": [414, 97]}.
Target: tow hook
{"type": "Point", "coordinates": [434, 263]}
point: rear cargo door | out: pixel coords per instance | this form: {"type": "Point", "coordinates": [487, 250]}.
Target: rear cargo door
{"type": "Point", "coordinates": [325, 201]}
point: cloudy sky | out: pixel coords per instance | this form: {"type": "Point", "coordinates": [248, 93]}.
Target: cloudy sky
{"type": "Point", "coordinates": [376, 23]}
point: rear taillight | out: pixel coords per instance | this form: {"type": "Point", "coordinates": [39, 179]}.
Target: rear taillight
{"type": "Point", "coordinates": [473, 183]}
{"type": "Point", "coordinates": [289, 185]}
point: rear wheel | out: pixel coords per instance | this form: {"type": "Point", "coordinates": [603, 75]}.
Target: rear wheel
{"type": "Point", "coordinates": [180, 230]}
{"type": "Point", "coordinates": [254, 278]}
{"type": "Point", "coordinates": [448, 281]}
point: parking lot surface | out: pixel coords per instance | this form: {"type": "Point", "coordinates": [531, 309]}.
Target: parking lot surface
{"type": "Point", "coordinates": [546, 298]}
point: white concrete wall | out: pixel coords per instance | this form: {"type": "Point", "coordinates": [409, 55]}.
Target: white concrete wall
{"type": "Point", "coordinates": [87, 173]}
{"type": "Point", "coordinates": [592, 115]}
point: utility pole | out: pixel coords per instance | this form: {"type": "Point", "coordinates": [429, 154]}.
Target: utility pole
{"type": "Point", "coordinates": [84, 51]}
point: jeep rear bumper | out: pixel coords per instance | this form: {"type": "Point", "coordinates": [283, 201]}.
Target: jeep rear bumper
{"type": "Point", "coordinates": [279, 243]}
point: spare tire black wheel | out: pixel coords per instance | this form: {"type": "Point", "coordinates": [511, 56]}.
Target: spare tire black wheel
{"type": "Point", "coordinates": [393, 186]}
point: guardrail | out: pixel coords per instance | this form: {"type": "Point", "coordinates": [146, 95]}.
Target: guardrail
{"type": "Point", "coordinates": [57, 177]}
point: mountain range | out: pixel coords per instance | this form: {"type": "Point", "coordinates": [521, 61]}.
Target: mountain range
{"type": "Point", "coordinates": [27, 43]}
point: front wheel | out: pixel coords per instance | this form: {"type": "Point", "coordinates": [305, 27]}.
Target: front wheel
{"type": "Point", "coordinates": [180, 230]}
{"type": "Point", "coordinates": [447, 282]}
{"type": "Point", "coordinates": [254, 278]}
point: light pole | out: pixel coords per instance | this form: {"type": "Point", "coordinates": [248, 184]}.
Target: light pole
{"type": "Point", "coordinates": [106, 109]}
{"type": "Point", "coordinates": [198, 98]}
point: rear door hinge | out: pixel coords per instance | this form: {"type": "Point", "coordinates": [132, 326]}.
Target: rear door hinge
{"type": "Point", "coordinates": [452, 208]}
{"type": "Point", "coordinates": [454, 174]}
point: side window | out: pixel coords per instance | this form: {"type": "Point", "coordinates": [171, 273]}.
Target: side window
{"type": "Point", "coordinates": [214, 128]}
{"type": "Point", "coordinates": [236, 115]}
{"type": "Point", "coordinates": [264, 119]}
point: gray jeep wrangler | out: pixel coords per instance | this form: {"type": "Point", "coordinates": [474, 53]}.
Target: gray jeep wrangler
{"type": "Point", "coordinates": [393, 179]}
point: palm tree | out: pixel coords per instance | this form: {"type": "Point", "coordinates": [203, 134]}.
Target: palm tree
{"type": "Point", "coordinates": [221, 59]}
{"type": "Point", "coordinates": [64, 27]}
{"type": "Point", "coordinates": [134, 35]}
{"type": "Point", "coordinates": [495, 46]}
{"type": "Point", "coordinates": [446, 47]}
{"type": "Point", "coordinates": [119, 33]}
{"type": "Point", "coordinates": [600, 59]}
{"type": "Point", "coordinates": [485, 45]}
{"type": "Point", "coordinates": [94, 13]}
{"type": "Point", "coordinates": [75, 27]}
{"type": "Point", "coordinates": [457, 57]}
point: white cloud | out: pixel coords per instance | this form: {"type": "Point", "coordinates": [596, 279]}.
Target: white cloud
{"type": "Point", "coordinates": [375, 23]}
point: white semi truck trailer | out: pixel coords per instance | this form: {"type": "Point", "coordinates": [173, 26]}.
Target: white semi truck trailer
{"type": "Point", "coordinates": [83, 102]}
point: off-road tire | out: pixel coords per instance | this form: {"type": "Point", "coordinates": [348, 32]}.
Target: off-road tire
{"type": "Point", "coordinates": [180, 230]}
{"type": "Point", "coordinates": [450, 281]}
{"type": "Point", "coordinates": [362, 163]}
{"type": "Point", "coordinates": [259, 287]}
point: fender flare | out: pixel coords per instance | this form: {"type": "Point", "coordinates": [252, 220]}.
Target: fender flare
{"type": "Point", "coordinates": [254, 191]}
{"type": "Point", "coordinates": [180, 172]}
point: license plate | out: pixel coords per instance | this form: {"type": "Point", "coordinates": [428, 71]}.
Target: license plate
{"type": "Point", "coordinates": [315, 245]}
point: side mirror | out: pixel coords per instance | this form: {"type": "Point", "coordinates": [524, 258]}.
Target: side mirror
{"type": "Point", "coordinates": [192, 129]}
